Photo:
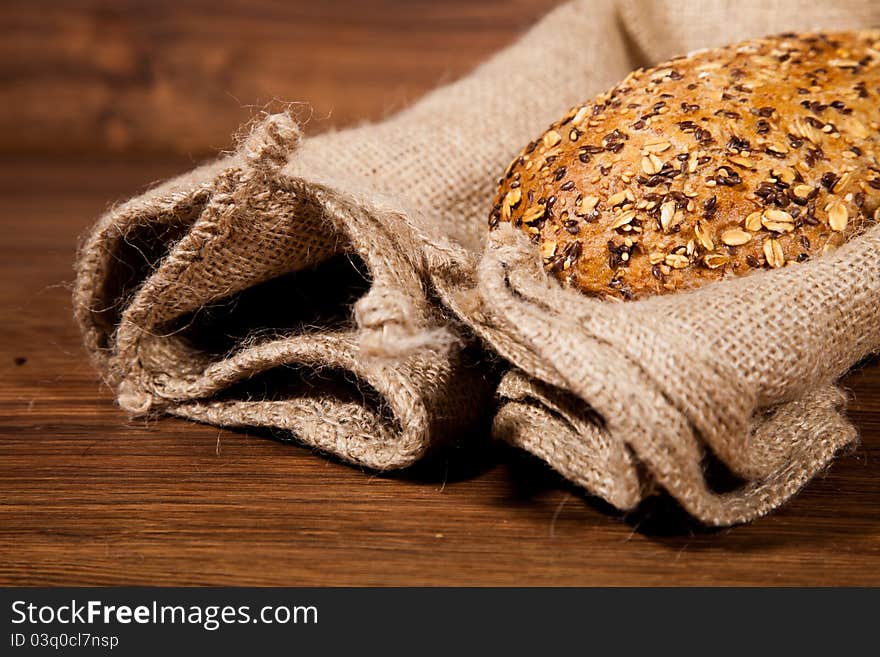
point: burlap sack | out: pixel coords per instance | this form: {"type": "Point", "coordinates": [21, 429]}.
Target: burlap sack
{"type": "Point", "coordinates": [328, 286]}
{"type": "Point", "coordinates": [286, 285]}
{"type": "Point", "coordinates": [225, 296]}
{"type": "Point", "coordinates": [622, 397]}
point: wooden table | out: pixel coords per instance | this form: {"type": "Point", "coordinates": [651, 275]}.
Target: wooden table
{"type": "Point", "coordinates": [89, 497]}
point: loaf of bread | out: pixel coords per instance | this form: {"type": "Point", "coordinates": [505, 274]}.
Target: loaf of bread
{"type": "Point", "coordinates": [747, 157]}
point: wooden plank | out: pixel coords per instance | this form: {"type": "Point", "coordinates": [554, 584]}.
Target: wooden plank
{"type": "Point", "coordinates": [88, 497]}
{"type": "Point", "coordinates": [181, 76]}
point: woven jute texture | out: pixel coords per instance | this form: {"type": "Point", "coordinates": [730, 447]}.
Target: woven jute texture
{"type": "Point", "coordinates": [334, 287]}
{"type": "Point", "coordinates": [624, 397]}
{"type": "Point", "coordinates": [164, 279]}
{"type": "Point", "coordinates": [172, 296]}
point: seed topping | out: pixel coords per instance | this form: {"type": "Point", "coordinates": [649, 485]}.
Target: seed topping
{"type": "Point", "coordinates": [735, 237]}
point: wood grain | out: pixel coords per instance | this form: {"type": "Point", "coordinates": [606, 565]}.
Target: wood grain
{"type": "Point", "coordinates": [180, 76]}
{"type": "Point", "coordinates": [88, 497]}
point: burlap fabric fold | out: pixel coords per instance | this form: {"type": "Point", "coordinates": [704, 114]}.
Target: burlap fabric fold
{"type": "Point", "coordinates": [328, 286]}
{"type": "Point", "coordinates": [286, 285]}
{"type": "Point", "coordinates": [624, 397]}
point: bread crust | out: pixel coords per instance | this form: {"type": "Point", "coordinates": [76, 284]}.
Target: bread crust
{"type": "Point", "coordinates": [747, 157]}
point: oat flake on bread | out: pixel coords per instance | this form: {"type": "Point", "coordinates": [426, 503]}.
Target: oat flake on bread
{"type": "Point", "coordinates": [751, 156]}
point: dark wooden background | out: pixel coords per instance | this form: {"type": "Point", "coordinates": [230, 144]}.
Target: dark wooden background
{"type": "Point", "coordinates": [97, 99]}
